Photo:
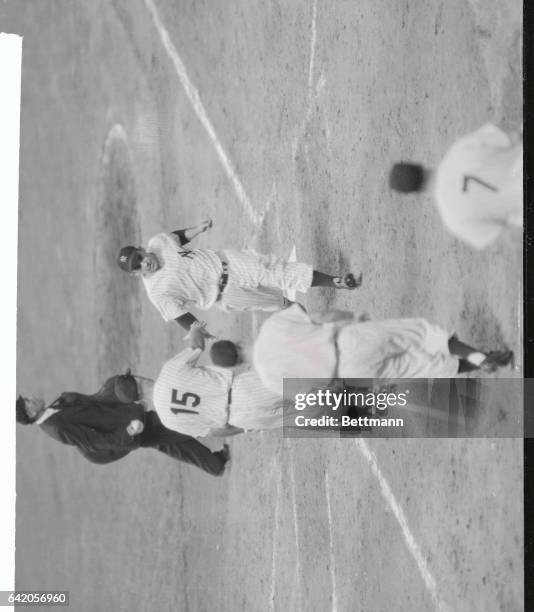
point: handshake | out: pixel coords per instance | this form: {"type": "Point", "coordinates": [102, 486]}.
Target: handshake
{"type": "Point", "coordinates": [198, 334]}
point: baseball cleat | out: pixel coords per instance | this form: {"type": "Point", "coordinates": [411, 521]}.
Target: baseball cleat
{"type": "Point", "coordinates": [225, 453]}
{"type": "Point", "coordinates": [497, 359]}
{"type": "Point", "coordinates": [348, 281]}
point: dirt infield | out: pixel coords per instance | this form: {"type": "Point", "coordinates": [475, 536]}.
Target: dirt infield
{"type": "Point", "coordinates": [309, 104]}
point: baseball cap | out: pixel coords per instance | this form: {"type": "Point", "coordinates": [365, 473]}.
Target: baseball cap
{"type": "Point", "coordinates": [129, 258]}
{"type": "Point", "coordinates": [22, 415]}
{"type": "Point", "coordinates": [407, 177]}
{"type": "Point", "coordinates": [224, 353]}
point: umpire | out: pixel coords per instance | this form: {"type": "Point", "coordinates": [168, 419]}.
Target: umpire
{"type": "Point", "coordinates": [109, 424]}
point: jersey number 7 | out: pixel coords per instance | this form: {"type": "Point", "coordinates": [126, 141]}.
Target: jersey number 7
{"type": "Point", "coordinates": [469, 177]}
{"type": "Point", "coordinates": [183, 401]}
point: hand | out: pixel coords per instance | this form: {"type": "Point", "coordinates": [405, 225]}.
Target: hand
{"type": "Point", "coordinates": [135, 427]}
{"type": "Point", "coordinates": [145, 387]}
{"type": "Point", "coordinates": [198, 334]}
{"type": "Point", "coordinates": [205, 225]}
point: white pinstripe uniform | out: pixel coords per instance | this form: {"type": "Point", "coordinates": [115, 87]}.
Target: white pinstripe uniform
{"type": "Point", "coordinates": [253, 406]}
{"type": "Point", "coordinates": [191, 278]}
{"type": "Point", "coordinates": [479, 186]}
{"type": "Point", "coordinates": [194, 399]}
{"type": "Point", "coordinates": [291, 345]}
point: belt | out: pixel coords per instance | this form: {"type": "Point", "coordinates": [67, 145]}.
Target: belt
{"type": "Point", "coordinates": [223, 280]}
{"type": "Point", "coordinates": [336, 348]}
{"type": "Point", "coordinates": [229, 404]}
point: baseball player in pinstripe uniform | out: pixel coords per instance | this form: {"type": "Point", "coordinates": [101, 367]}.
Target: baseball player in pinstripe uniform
{"type": "Point", "coordinates": [212, 400]}
{"type": "Point", "coordinates": [177, 278]}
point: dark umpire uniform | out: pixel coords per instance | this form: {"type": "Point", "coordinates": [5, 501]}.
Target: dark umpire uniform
{"type": "Point", "coordinates": [96, 424]}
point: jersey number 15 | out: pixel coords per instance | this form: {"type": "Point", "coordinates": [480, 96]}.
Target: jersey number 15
{"type": "Point", "coordinates": [184, 401]}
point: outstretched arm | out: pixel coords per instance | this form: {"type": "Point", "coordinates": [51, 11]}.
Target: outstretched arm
{"type": "Point", "coordinates": [198, 333]}
{"type": "Point", "coordinates": [332, 316]}
{"type": "Point", "coordinates": [186, 235]}
{"type": "Point", "coordinates": [186, 320]}
{"type": "Point", "coordinates": [227, 430]}
{"type": "Point", "coordinates": [197, 336]}
{"type": "Point", "coordinates": [189, 322]}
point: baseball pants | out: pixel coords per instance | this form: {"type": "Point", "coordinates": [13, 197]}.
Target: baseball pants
{"type": "Point", "coordinates": [252, 271]}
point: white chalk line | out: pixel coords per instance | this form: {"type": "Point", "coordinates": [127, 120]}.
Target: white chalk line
{"type": "Point", "coordinates": [328, 133]}
{"type": "Point", "coordinates": [194, 97]}
{"type": "Point", "coordinates": [313, 44]}
{"type": "Point", "coordinates": [295, 526]}
{"type": "Point", "coordinates": [252, 240]}
{"type": "Point", "coordinates": [117, 132]}
{"type": "Point", "coordinates": [313, 92]}
{"type": "Point", "coordinates": [413, 547]}
{"type": "Point", "coordinates": [331, 542]}
{"type": "Point", "coordinates": [275, 539]}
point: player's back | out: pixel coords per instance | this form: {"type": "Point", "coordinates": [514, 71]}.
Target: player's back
{"type": "Point", "coordinates": [478, 188]}
{"type": "Point", "coordinates": [290, 345]}
{"type": "Point", "coordinates": [190, 398]}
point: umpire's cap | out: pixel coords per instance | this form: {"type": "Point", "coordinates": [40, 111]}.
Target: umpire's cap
{"type": "Point", "coordinates": [129, 258]}
{"type": "Point", "coordinates": [22, 416]}
{"type": "Point", "coordinates": [407, 177]}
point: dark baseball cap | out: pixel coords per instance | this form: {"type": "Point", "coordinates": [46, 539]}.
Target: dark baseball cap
{"type": "Point", "coordinates": [407, 177]}
{"type": "Point", "coordinates": [22, 415]}
{"type": "Point", "coordinates": [224, 353]}
{"type": "Point", "coordinates": [129, 258]}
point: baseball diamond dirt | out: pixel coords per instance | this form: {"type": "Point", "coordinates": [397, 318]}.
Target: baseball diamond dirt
{"type": "Point", "coordinates": [280, 121]}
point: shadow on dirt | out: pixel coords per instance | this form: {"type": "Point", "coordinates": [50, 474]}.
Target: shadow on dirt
{"type": "Point", "coordinates": [118, 296]}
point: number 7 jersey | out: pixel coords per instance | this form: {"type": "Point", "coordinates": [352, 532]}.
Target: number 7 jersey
{"type": "Point", "coordinates": [192, 399]}
{"type": "Point", "coordinates": [479, 186]}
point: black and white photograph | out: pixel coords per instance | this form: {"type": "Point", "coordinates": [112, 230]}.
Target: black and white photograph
{"type": "Point", "coordinates": [269, 328]}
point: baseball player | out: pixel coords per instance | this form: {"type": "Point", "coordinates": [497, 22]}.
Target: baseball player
{"type": "Point", "coordinates": [292, 344]}
{"type": "Point", "coordinates": [478, 186]}
{"type": "Point", "coordinates": [212, 400]}
{"type": "Point", "coordinates": [177, 278]}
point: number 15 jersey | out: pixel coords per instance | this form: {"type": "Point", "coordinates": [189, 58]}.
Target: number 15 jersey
{"type": "Point", "coordinates": [479, 186]}
{"type": "Point", "coordinates": [192, 399]}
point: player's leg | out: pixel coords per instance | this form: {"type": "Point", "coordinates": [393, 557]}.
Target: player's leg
{"type": "Point", "coordinates": [346, 281]}
{"type": "Point", "coordinates": [409, 348]}
{"type": "Point", "coordinates": [182, 447]}
{"type": "Point", "coordinates": [193, 452]}
{"type": "Point", "coordinates": [473, 359]}
{"type": "Point", "coordinates": [239, 299]}
{"type": "Point", "coordinates": [251, 269]}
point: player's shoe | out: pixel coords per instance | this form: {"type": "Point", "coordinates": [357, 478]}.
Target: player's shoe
{"type": "Point", "coordinates": [348, 281]}
{"type": "Point", "coordinates": [497, 359]}
{"type": "Point", "coordinates": [288, 303]}
{"type": "Point", "coordinates": [225, 454]}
